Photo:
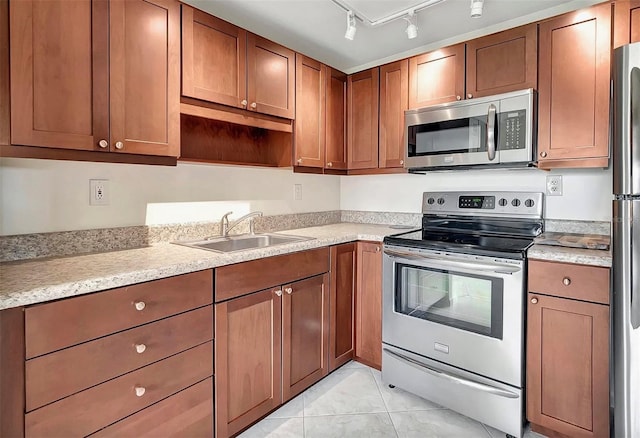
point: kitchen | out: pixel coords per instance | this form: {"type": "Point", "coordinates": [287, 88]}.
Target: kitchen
{"type": "Point", "coordinates": [46, 196]}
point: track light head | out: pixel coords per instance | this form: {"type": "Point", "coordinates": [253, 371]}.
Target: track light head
{"type": "Point", "coordinates": [476, 8]}
{"type": "Point", "coordinates": [412, 28]}
{"type": "Point", "coordinates": [351, 26]}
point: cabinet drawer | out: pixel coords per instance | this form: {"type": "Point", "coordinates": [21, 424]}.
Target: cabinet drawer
{"type": "Point", "coordinates": [88, 411]}
{"type": "Point", "coordinates": [65, 372]}
{"type": "Point", "coordinates": [585, 283]}
{"type": "Point", "coordinates": [236, 280]}
{"type": "Point", "coordinates": [52, 326]}
{"type": "Point", "coordinates": [189, 413]}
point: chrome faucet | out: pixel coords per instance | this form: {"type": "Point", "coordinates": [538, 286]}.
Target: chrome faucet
{"type": "Point", "coordinates": [224, 222]}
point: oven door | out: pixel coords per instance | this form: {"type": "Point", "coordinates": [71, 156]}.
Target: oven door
{"type": "Point", "coordinates": [465, 311]}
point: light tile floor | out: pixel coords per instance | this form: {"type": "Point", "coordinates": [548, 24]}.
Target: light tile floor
{"type": "Point", "coordinates": [353, 402]}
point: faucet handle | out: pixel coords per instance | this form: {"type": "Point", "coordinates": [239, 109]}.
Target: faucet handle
{"type": "Point", "coordinates": [224, 216]}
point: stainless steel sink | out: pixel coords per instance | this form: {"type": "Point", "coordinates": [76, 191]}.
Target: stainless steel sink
{"type": "Point", "coordinates": [242, 242]}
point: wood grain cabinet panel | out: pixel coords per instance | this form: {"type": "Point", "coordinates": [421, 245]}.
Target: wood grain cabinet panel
{"type": "Point", "coordinates": [394, 96]}
{"type": "Point", "coordinates": [214, 56]}
{"type": "Point", "coordinates": [568, 366]}
{"type": "Point", "coordinates": [270, 77]}
{"type": "Point", "coordinates": [574, 71]}
{"type": "Point", "coordinates": [248, 356]}
{"type": "Point", "coordinates": [437, 77]}
{"type": "Point", "coordinates": [626, 22]}
{"type": "Point", "coordinates": [310, 132]}
{"type": "Point", "coordinates": [566, 280]}
{"type": "Point", "coordinates": [341, 303]}
{"type": "Point", "coordinates": [503, 62]}
{"type": "Point", "coordinates": [5, 89]}
{"type": "Point", "coordinates": [362, 119]}
{"type": "Point", "coordinates": [186, 414]}
{"type": "Point", "coordinates": [368, 321]}
{"type": "Point", "coordinates": [336, 126]}
{"type": "Point", "coordinates": [305, 334]}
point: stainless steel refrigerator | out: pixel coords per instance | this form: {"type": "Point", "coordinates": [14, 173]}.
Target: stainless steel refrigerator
{"type": "Point", "coordinates": [626, 242]}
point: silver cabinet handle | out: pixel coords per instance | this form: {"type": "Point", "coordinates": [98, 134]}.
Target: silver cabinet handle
{"type": "Point", "coordinates": [566, 281]}
{"type": "Point", "coordinates": [451, 377]}
{"type": "Point", "coordinates": [244, 102]}
{"type": "Point", "coordinates": [119, 145]}
{"type": "Point", "coordinates": [491, 132]}
{"type": "Point", "coordinates": [140, 348]}
{"type": "Point", "coordinates": [447, 264]}
{"type": "Point", "coordinates": [543, 154]}
{"type": "Point", "coordinates": [534, 300]}
{"type": "Point", "coordinates": [139, 305]}
{"type": "Point", "coordinates": [140, 390]}
{"type": "Point", "coordinates": [103, 144]}
{"type": "Point", "coordinates": [288, 290]}
{"type": "Point", "coordinates": [279, 293]}
{"type": "Point", "coordinates": [254, 105]}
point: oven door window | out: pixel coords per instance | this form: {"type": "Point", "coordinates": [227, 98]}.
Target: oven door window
{"type": "Point", "coordinates": [465, 301]}
{"type": "Point", "coordinates": [453, 136]}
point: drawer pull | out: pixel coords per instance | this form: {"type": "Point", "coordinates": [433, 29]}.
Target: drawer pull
{"type": "Point", "coordinates": [534, 300]}
{"type": "Point", "coordinates": [140, 390]}
{"type": "Point", "coordinates": [140, 348]}
{"type": "Point", "coordinates": [288, 290]}
{"type": "Point", "coordinates": [279, 293]}
{"type": "Point", "coordinates": [140, 305]}
{"type": "Point", "coordinates": [566, 281]}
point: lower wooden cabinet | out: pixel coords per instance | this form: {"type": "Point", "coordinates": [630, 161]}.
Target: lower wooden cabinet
{"type": "Point", "coordinates": [341, 332]}
{"type": "Point", "coordinates": [368, 321]}
{"type": "Point", "coordinates": [567, 351]}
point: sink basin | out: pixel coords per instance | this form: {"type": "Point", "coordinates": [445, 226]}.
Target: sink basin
{"type": "Point", "coordinates": [242, 242]}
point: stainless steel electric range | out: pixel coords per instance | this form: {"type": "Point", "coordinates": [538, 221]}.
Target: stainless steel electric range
{"type": "Point", "coordinates": [453, 304]}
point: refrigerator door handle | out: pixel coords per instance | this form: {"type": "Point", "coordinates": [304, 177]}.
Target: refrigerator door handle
{"type": "Point", "coordinates": [634, 127]}
{"type": "Point", "coordinates": [634, 295]}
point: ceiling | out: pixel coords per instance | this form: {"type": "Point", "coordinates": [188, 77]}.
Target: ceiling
{"type": "Point", "coordinates": [316, 27]}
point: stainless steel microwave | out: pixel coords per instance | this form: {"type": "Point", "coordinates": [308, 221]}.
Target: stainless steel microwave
{"type": "Point", "coordinates": [488, 131]}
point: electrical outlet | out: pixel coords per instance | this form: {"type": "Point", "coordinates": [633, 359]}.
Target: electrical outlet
{"type": "Point", "coordinates": [554, 185]}
{"type": "Point", "coordinates": [297, 192]}
{"type": "Point", "coordinates": [99, 192]}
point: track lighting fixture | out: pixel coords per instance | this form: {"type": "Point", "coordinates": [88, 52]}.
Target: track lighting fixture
{"type": "Point", "coordinates": [351, 26]}
{"type": "Point", "coordinates": [476, 8]}
{"type": "Point", "coordinates": [412, 28]}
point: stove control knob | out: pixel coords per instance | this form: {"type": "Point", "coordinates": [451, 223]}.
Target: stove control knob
{"type": "Point", "coordinates": [529, 203]}
{"type": "Point", "coordinates": [440, 201]}
{"type": "Point", "coordinates": [430, 201]}
{"type": "Point", "coordinates": [515, 202]}
{"type": "Point", "coordinates": [502, 202]}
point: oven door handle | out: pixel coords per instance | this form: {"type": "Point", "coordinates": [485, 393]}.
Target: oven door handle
{"type": "Point", "coordinates": [451, 377]}
{"type": "Point", "coordinates": [498, 269]}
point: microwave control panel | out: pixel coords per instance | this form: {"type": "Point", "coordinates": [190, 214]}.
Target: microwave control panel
{"type": "Point", "coordinates": [513, 130]}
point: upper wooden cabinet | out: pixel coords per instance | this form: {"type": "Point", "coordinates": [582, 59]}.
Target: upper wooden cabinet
{"type": "Point", "coordinates": [394, 95]}
{"type": "Point", "coordinates": [626, 22]}
{"type": "Point", "coordinates": [503, 62]}
{"type": "Point", "coordinates": [96, 75]}
{"type": "Point", "coordinates": [362, 119]}
{"type": "Point", "coordinates": [574, 71]}
{"type": "Point", "coordinates": [336, 127]}
{"type": "Point", "coordinates": [310, 133]}
{"type": "Point", "coordinates": [224, 64]}
{"type": "Point", "coordinates": [436, 77]}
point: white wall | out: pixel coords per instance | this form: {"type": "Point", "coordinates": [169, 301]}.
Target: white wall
{"type": "Point", "coordinates": [44, 195]}
{"type": "Point", "coordinates": [586, 194]}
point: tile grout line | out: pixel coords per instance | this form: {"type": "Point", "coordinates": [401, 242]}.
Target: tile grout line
{"type": "Point", "coordinates": [375, 381]}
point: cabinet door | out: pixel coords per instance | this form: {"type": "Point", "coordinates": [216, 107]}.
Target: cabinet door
{"type": "Point", "coordinates": [145, 77]}
{"type": "Point", "coordinates": [305, 334]}
{"type": "Point", "coordinates": [568, 366]}
{"type": "Point", "coordinates": [574, 69]}
{"type": "Point", "coordinates": [214, 55]}
{"type": "Point", "coordinates": [343, 280]}
{"type": "Point", "coordinates": [5, 89]}
{"type": "Point", "coordinates": [503, 62]}
{"type": "Point", "coordinates": [436, 77]}
{"type": "Point", "coordinates": [270, 77]}
{"type": "Point", "coordinates": [394, 95]}
{"type": "Point", "coordinates": [369, 304]}
{"type": "Point", "coordinates": [59, 73]}
{"type": "Point", "coordinates": [336, 135]}
{"type": "Point", "coordinates": [310, 112]}
{"type": "Point", "coordinates": [626, 22]}
{"type": "Point", "coordinates": [362, 119]}
{"type": "Point", "coordinates": [247, 359]}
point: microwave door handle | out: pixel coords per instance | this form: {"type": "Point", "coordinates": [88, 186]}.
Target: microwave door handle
{"type": "Point", "coordinates": [491, 132]}
{"type": "Point", "coordinates": [498, 269]}
{"type": "Point", "coordinates": [451, 377]}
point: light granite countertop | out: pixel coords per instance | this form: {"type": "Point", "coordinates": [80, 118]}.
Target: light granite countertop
{"type": "Point", "coordinates": [570, 255]}
{"type": "Point", "coordinates": [36, 281]}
